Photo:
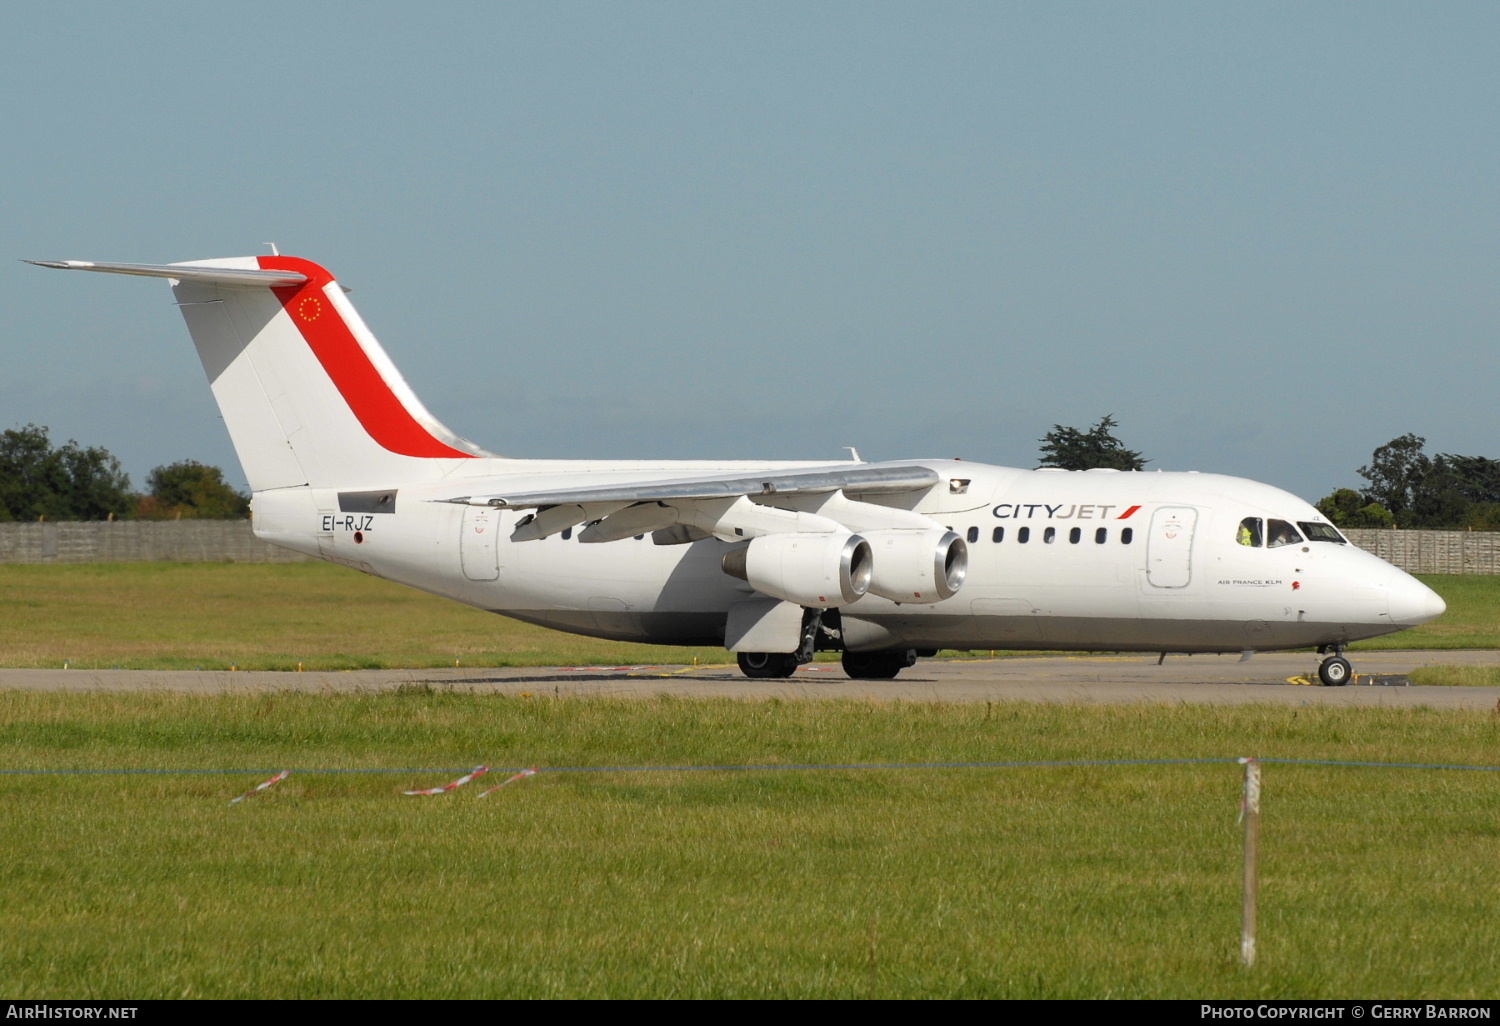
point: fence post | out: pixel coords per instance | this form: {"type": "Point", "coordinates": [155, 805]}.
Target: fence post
{"type": "Point", "coordinates": [1250, 812]}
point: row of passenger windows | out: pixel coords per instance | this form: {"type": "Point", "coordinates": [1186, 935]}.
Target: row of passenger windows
{"type": "Point", "coordinates": [1251, 533]}
{"type": "Point", "coordinates": [1049, 535]}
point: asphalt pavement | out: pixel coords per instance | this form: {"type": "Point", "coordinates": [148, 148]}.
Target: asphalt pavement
{"type": "Point", "coordinates": [1274, 678]}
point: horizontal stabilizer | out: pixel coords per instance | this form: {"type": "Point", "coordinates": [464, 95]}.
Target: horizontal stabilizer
{"type": "Point", "coordinates": [185, 272]}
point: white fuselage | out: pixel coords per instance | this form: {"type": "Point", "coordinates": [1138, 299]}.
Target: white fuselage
{"type": "Point", "coordinates": [1095, 560]}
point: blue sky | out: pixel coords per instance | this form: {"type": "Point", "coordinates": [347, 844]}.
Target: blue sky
{"type": "Point", "coordinates": [1263, 236]}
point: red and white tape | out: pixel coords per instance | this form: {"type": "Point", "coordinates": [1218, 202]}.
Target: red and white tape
{"type": "Point", "coordinates": [477, 771]}
{"type": "Point", "coordinates": [278, 778]}
{"type": "Point", "coordinates": [519, 776]}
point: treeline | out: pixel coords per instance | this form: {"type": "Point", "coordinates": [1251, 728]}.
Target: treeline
{"type": "Point", "coordinates": [1405, 486]}
{"type": "Point", "coordinates": [1408, 488]}
{"type": "Point", "coordinates": [42, 481]}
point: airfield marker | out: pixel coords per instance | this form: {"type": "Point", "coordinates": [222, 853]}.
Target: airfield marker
{"type": "Point", "coordinates": [1250, 813]}
{"type": "Point", "coordinates": [519, 776]}
{"type": "Point", "coordinates": [261, 787]}
{"type": "Point", "coordinates": [477, 771]}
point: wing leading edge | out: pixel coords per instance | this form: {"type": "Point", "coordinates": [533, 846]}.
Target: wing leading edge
{"type": "Point", "coordinates": [206, 275]}
{"type": "Point", "coordinates": [860, 480]}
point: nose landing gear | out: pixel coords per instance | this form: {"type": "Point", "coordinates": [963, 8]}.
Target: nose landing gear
{"type": "Point", "coordinates": [1335, 671]}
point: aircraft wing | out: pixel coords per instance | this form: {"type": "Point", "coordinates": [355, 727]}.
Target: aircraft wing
{"type": "Point", "coordinates": [687, 509]}
{"type": "Point", "coordinates": [861, 480]}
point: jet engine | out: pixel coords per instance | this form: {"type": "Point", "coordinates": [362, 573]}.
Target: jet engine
{"type": "Point", "coordinates": [819, 569]}
{"type": "Point", "coordinates": [918, 566]}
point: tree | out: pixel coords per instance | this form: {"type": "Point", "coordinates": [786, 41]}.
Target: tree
{"type": "Point", "coordinates": [189, 489]}
{"type": "Point", "coordinates": [1443, 491]}
{"type": "Point", "coordinates": [66, 482]}
{"type": "Point", "coordinates": [1396, 472]}
{"type": "Point", "coordinates": [1347, 508]}
{"type": "Point", "coordinates": [1070, 449]}
{"type": "Point", "coordinates": [1476, 478]}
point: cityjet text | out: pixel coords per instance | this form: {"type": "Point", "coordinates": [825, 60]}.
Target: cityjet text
{"type": "Point", "coordinates": [1048, 511]}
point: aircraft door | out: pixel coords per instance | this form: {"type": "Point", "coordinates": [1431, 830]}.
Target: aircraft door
{"type": "Point", "coordinates": [1169, 549]}
{"type": "Point", "coordinates": [479, 543]}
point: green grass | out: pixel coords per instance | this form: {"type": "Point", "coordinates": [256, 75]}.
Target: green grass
{"type": "Point", "coordinates": [1058, 882]}
{"type": "Point", "coordinates": [183, 616]}
{"type": "Point", "coordinates": [1457, 676]}
{"type": "Point", "coordinates": [1472, 619]}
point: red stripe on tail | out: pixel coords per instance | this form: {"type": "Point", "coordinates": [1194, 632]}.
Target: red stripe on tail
{"type": "Point", "coordinates": [368, 394]}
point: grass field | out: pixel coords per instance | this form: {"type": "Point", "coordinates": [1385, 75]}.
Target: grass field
{"type": "Point", "coordinates": [273, 617]}
{"type": "Point", "coordinates": [1040, 882]}
{"type": "Point", "coordinates": [183, 616]}
{"type": "Point", "coordinates": [1472, 619]}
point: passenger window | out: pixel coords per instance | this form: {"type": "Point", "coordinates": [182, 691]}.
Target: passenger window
{"type": "Point", "coordinates": [973, 533]}
{"type": "Point", "coordinates": [1023, 535]}
{"type": "Point", "coordinates": [1101, 536]}
{"type": "Point", "coordinates": [1049, 535]}
{"type": "Point", "coordinates": [1320, 532]}
{"type": "Point", "coordinates": [1126, 535]}
{"type": "Point", "coordinates": [1075, 534]}
{"type": "Point", "coordinates": [998, 534]}
{"type": "Point", "coordinates": [1249, 532]}
{"type": "Point", "coordinates": [1280, 533]}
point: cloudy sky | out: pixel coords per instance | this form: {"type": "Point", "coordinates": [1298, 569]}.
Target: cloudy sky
{"type": "Point", "coordinates": [1263, 236]}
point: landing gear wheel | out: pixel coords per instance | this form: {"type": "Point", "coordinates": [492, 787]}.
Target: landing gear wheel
{"type": "Point", "coordinates": [877, 665]}
{"type": "Point", "coordinates": [767, 664]}
{"type": "Point", "coordinates": [1335, 671]}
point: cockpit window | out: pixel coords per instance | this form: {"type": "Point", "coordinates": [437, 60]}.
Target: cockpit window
{"type": "Point", "coordinates": [1281, 533]}
{"type": "Point", "coordinates": [1320, 532]}
{"type": "Point", "coordinates": [1249, 532]}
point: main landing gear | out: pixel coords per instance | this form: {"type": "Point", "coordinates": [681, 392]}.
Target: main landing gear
{"type": "Point", "coordinates": [858, 665]}
{"type": "Point", "coordinates": [878, 665]}
{"type": "Point", "coordinates": [784, 664]}
{"type": "Point", "coordinates": [821, 630]}
{"type": "Point", "coordinates": [1335, 670]}
{"type": "Point", "coordinates": [768, 664]}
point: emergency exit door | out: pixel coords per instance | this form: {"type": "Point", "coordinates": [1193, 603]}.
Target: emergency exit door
{"type": "Point", "coordinates": [1169, 548]}
{"type": "Point", "coordinates": [478, 546]}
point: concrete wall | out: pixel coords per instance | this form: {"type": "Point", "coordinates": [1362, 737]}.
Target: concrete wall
{"type": "Point", "coordinates": [1434, 552]}
{"type": "Point", "coordinates": [231, 541]}
{"type": "Point", "coordinates": [133, 541]}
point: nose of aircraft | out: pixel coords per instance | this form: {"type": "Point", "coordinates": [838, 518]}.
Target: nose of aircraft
{"type": "Point", "coordinates": [1411, 601]}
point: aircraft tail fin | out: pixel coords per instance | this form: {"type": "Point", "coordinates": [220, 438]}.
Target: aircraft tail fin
{"type": "Point", "coordinates": [308, 394]}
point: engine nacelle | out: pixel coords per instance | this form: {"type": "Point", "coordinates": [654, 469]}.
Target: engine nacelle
{"type": "Point", "coordinates": [821, 570]}
{"type": "Point", "coordinates": [918, 566]}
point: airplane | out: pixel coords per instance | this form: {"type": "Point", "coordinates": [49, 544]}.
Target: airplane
{"type": "Point", "coordinates": [884, 562]}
